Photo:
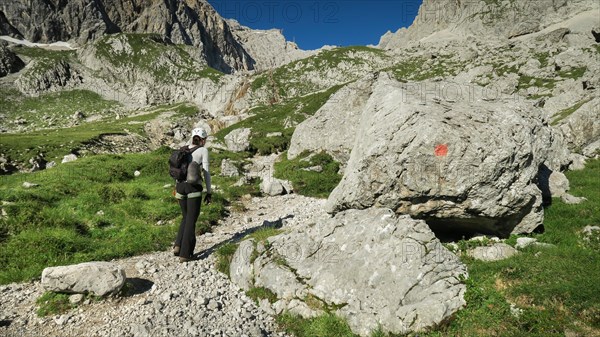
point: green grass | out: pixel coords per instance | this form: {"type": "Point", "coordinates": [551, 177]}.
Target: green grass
{"type": "Point", "coordinates": [414, 69]}
{"type": "Point", "coordinates": [52, 108]}
{"type": "Point", "coordinates": [58, 223]}
{"type": "Point", "coordinates": [327, 325]}
{"type": "Point", "coordinates": [270, 119]}
{"type": "Point", "coordinates": [51, 303]}
{"type": "Point", "coordinates": [149, 52]}
{"type": "Point", "coordinates": [310, 183]}
{"type": "Point", "coordinates": [43, 59]}
{"type": "Point", "coordinates": [55, 143]}
{"type": "Point", "coordinates": [574, 73]}
{"type": "Point", "coordinates": [543, 58]}
{"type": "Point", "coordinates": [262, 234]}
{"type": "Point", "coordinates": [38, 53]}
{"type": "Point", "coordinates": [559, 116]}
{"type": "Point", "coordinates": [260, 293]}
{"type": "Point", "coordinates": [291, 80]}
{"type": "Point", "coordinates": [224, 255]}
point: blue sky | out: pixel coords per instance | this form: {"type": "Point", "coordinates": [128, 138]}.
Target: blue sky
{"type": "Point", "coordinates": [314, 23]}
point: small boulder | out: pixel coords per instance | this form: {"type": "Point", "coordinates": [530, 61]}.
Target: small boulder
{"type": "Point", "coordinates": [272, 187]}
{"type": "Point", "coordinates": [524, 242]}
{"type": "Point", "coordinates": [317, 168]}
{"type": "Point", "coordinates": [496, 252]}
{"type": "Point", "coordinates": [76, 298]}
{"type": "Point", "coordinates": [240, 269]}
{"type": "Point", "coordinates": [238, 140]}
{"type": "Point", "coordinates": [98, 278]}
{"type": "Point", "coordinates": [577, 162]}
{"type": "Point", "coordinates": [27, 184]}
{"type": "Point", "coordinates": [228, 169]}
{"type": "Point", "coordinates": [69, 158]}
{"type": "Point", "coordinates": [572, 200]}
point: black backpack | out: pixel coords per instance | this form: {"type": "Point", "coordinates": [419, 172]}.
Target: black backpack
{"type": "Point", "coordinates": [179, 161]}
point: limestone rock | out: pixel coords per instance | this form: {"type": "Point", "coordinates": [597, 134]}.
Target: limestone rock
{"type": "Point", "coordinates": [523, 28]}
{"type": "Point", "coordinates": [268, 48]}
{"type": "Point", "coordinates": [238, 140]}
{"type": "Point", "coordinates": [582, 127]}
{"type": "Point", "coordinates": [27, 184]}
{"type": "Point", "coordinates": [9, 62]}
{"type": "Point", "coordinates": [465, 164]}
{"type": "Point", "coordinates": [496, 252]}
{"type": "Point", "coordinates": [589, 231]}
{"type": "Point", "coordinates": [98, 278]}
{"type": "Point", "coordinates": [40, 76]}
{"type": "Point", "coordinates": [572, 200]}
{"type": "Point", "coordinates": [577, 162]}
{"type": "Point", "coordinates": [555, 36]}
{"type": "Point", "coordinates": [240, 269]}
{"type": "Point", "coordinates": [228, 169]}
{"type": "Point", "coordinates": [524, 242]}
{"type": "Point", "coordinates": [69, 158]}
{"type": "Point", "coordinates": [333, 128]}
{"type": "Point", "coordinates": [552, 183]}
{"type": "Point", "coordinates": [559, 184]}
{"type": "Point", "coordinates": [272, 187]}
{"type": "Point", "coordinates": [497, 20]}
{"type": "Point", "coordinates": [353, 260]}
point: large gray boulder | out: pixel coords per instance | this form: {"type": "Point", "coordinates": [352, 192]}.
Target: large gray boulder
{"type": "Point", "coordinates": [335, 123]}
{"type": "Point", "coordinates": [98, 278]}
{"type": "Point", "coordinates": [371, 267]}
{"type": "Point", "coordinates": [238, 140]}
{"type": "Point", "coordinates": [465, 162]}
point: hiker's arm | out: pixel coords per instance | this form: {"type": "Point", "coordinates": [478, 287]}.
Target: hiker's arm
{"type": "Point", "coordinates": [205, 169]}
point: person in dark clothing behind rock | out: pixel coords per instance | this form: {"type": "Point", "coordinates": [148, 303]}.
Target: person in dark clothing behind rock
{"type": "Point", "coordinates": [189, 194]}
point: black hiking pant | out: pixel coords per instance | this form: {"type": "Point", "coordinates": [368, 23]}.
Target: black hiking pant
{"type": "Point", "coordinates": [190, 199]}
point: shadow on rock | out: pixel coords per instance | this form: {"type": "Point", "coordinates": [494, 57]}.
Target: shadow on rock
{"type": "Point", "coordinates": [137, 286]}
{"type": "Point", "coordinates": [238, 236]}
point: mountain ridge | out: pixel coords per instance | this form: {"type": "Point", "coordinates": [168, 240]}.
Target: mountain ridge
{"type": "Point", "coordinates": [192, 22]}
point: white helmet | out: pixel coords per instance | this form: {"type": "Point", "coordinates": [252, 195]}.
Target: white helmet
{"type": "Point", "coordinates": [200, 132]}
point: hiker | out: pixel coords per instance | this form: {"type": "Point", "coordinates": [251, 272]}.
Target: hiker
{"type": "Point", "coordinates": [189, 194]}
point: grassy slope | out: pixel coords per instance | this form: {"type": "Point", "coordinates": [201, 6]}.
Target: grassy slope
{"type": "Point", "coordinates": [57, 106]}
{"type": "Point", "coordinates": [55, 143]}
{"type": "Point", "coordinates": [290, 79]}
{"type": "Point", "coordinates": [57, 223]}
{"type": "Point", "coordinates": [148, 53]}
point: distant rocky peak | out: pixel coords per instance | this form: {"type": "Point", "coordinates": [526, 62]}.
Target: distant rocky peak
{"type": "Point", "coordinates": [488, 19]}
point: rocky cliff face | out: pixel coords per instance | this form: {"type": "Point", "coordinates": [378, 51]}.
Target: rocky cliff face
{"type": "Point", "coordinates": [268, 48]}
{"type": "Point", "coordinates": [9, 62]}
{"type": "Point", "coordinates": [193, 23]}
{"type": "Point", "coordinates": [494, 19]}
